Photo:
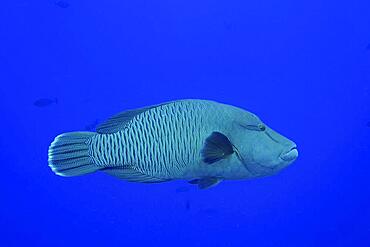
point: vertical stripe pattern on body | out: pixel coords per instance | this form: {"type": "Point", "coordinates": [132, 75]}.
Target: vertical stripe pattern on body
{"type": "Point", "coordinates": [159, 142]}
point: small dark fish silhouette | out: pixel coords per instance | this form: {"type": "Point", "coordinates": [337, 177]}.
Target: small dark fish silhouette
{"type": "Point", "coordinates": [45, 102]}
{"type": "Point", "coordinates": [92, 126]}
{"type": "Point", "coordinates": [182, 189]}
{"type": "Point", "coordinates": [368, 124]}
{"type": "Point", "coordinates": [187, 205]}
{"type": "Point", "coordinates": [62, 4]}
{"type": "Point", "coordinates": [208, 212]}
{"type": "Point", "coordinates": [228, 25]}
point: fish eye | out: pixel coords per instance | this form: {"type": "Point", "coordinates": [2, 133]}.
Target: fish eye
{"type": "Point", "coordinates": [262, 127]}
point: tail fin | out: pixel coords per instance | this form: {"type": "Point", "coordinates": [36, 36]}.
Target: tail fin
{"type": "Point", "coordinates": [69, 154]}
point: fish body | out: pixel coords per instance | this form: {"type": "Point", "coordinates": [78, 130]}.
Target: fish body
{"type": "Point", "coordinates": [92, 126]}
{"type": "Point", "coordinates": [45, 102]}
{"type": "Point", "coordinates": [62, 4]}
{"type": "Point", "coordinates": [202, 141]}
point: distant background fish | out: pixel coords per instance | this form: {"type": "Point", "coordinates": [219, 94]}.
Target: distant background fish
{"type": "Point", "coordinates": [187, 205]}
{"type": "Point", "coordinates": [208, 212]}
{"type": "Point", "coordinates": [182, 189]}
{"type": "Point", "coordinates": [42, 102]}
{"type": "Point", "coordinates": [92, 126]}
{"type": "Point", "coordinates": [62, 4]}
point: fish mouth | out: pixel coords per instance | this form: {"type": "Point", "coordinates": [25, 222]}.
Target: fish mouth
{"type": "Point", "coordinates": [256, 168]}
{"type": "Point", "coordinates": [290, 155]}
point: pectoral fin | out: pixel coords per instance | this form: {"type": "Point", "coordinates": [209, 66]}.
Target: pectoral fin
{"type": "Point", "coordinates": [206, 183]}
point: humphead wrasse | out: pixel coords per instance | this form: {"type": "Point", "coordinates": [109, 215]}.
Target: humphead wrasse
{"type": "Point", "coordinates": [201, 141]}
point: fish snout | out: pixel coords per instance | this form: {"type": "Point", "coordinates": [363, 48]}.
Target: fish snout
{"type": "Point", "coordinates": [290, 155]}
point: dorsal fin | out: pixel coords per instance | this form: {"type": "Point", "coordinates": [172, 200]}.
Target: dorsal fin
{"type": "Point", "coordinates": [130, 174]}
{"type": "Point", "coordinates": [119, 121]}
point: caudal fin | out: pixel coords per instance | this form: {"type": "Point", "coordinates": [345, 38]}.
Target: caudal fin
{"type": "Point", "coordinates": [69, 154]}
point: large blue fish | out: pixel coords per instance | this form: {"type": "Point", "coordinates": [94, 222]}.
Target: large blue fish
{"type": "Point", "coordinates": [201, 141]}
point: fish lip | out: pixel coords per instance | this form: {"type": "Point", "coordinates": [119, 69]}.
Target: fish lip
{"type": "Point", "coordinates": [290, 155]}
{"type": "Point", "coordinates": [269, 168]}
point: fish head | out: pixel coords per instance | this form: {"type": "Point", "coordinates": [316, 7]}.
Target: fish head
{"type": "Point", "coordinates": [261, 150]}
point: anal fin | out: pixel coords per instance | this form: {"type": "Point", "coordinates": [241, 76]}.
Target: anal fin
{"type": "Point", "coordinates": [129, 174]}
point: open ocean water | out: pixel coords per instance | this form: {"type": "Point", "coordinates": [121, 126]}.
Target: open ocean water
{"type": "Point", "coordinates": [302, 66]}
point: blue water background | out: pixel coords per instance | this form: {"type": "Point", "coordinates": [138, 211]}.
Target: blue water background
{"type": "Point", "coordinates": [302, 66]}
